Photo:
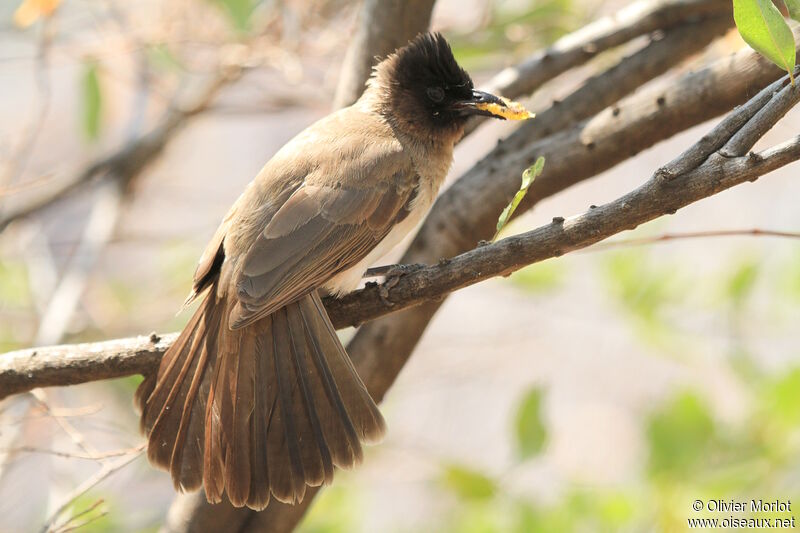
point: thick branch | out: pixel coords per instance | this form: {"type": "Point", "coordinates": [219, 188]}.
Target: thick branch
{"type": "Point", "coordinates": [382, 27]}
{"type": "Point", "coordinates": [639, 18]}
{"type": "Point", "coordinates": [575, 49]}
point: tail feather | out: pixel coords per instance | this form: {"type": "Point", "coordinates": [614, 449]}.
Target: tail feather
{"type": "Point", "coordinates": [259, 484]}
{"type": "Point", "coordinates": [171, 388]}
{"type": "Point", "coordinates": [257, 412]}
{"type": "Point", "coordinates": [335, 364]}
{"type": "Point", "coordinates": [241, 404]}
{"type": "Point", "coordinates": [288, 479]}
{"type": "Point", "coordinates": [318, 461]}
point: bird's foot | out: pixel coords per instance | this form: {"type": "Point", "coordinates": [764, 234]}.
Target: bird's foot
{"type": "Point", "coordinates": [392, 275]}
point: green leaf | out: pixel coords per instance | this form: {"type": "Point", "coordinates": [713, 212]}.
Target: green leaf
{"type": "Point", "coordinates": [530, 430]}
{"type": "Point", "coordinates": [763, 27]}
{"type": "Point", "coordinates": [467, 483]}
{"type": "Point", "coordinates": [528, 176]}
{"type": "Point", "coordinates": [92, 100]}
{"type": "Point", "coordinates": [794, 9]}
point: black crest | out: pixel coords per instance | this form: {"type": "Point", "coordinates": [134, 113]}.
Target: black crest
{"type": "Point", "coordinates": [421, 82]}
{"type": "Point", "coordinates": [428, 60]}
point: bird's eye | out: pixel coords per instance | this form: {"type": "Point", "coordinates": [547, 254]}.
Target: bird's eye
{"type": "Point", "coordinates": [436, 94]}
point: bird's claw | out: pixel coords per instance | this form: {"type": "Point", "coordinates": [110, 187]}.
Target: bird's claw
{"type": "Point", "coordinates": [392, 275]}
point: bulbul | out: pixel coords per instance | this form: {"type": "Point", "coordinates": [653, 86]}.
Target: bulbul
{"type": "Point", "coordinates": [257, 398]}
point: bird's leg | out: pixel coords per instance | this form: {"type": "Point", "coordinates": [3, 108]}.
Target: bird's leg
{"type": "Point", "coordinates": [392, 275]}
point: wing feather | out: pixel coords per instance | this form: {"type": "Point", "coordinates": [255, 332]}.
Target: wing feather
{"type": "Point", "coordinates": [319, 232]}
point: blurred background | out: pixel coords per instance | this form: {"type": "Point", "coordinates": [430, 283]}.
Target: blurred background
{"type": "Point", "coordinates": [602, 391]}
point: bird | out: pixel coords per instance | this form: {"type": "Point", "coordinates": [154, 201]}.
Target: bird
{"type": "Point", "coordinates": [257, 398]}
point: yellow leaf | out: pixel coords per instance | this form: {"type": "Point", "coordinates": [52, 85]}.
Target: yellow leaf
{"type": "Point", "coordinates": [30, 11]}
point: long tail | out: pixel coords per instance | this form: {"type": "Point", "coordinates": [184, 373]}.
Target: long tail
{"type": "Point", "coordinates": [266, 409]}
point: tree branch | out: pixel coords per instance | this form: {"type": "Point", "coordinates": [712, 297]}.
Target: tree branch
{"type": "Point", "coordinates": [382, 27]}
{"type": "Point", "coordinates": [575, 49]}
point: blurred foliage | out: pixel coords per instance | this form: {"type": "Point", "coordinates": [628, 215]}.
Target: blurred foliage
{"type": "Point", "coordinates": [789, 278]}
{"type": "Point", "coordinates": [530, 430]}
{"type": "Point", "coordinates": [14, 289]}
{"type": "Point", "coordinates": [541, 277]}
{"type": "Point", "coordinates": [467, 483]}
{"type": "Point", "coordinates": [15, 300]}
{"type": "Point", "coordinates": [337, 509]}
{"type": "Point", "coordinates": [680, 435]}
{"type": "Point", "coordinates": [161, 58]}
{"type": "Point", "coordinates": [645, 290]}
{"type": "Point", "coordinates": [91, 100]}
{"type": "Point", "coordinates": [741, 281]}
{"type": "Point", "coordinates": [239, 12]}
{"type": "Point", "coordinates": [515, 29]}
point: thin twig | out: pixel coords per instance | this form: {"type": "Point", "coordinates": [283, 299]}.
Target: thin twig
{"type": "Point", "coordinates": [90, 483]}
{"type": "Point", "coordinates": [67, 455]}
{"type": "Point", "coordinates": [665, 237]}
{"type": "Point", "coordinates": [66, 525]}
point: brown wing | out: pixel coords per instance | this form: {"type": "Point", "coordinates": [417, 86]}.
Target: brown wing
{"type": "Point", "coordinates": [319, 232]}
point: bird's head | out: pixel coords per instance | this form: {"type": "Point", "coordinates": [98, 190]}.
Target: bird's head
{"type": "Point", "coordinates": [421, 88]}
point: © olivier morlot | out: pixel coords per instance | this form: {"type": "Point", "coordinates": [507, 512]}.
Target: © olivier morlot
{"type": "Point", "coordinates": [257, 398]}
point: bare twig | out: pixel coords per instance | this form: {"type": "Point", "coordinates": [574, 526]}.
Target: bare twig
{"type": "Point", "coordinates": [66, 455]}
{"type": "Point", "coordinates": [132, 356]}
{"type": "Point", "coordinates": [666, 237]}
{"type": "Point", "coordinates": [72, 524]}
{"type": "Point", "coordinates": [66, 426]}
{"type": "Point", "coordinates": [87, 485]}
